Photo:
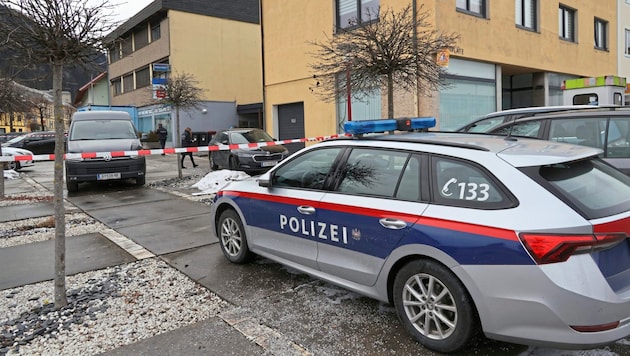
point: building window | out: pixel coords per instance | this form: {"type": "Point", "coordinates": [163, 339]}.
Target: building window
{"type": "Point", "coordinates": [566, 22]}
{"type": "Point", "coordinates": [127, 46]}
{"type": "Point", "coordinates": [627, 49]}
{"type": "Point", "coordinates": [116, 87]}
{"type": "Point", "coordinates": [601, 34]}
{"type": "Point", "coordinates": [141, 38]}
{"type": "Point", "coordinates": [155, 32]}
{"type": "Point", "coordinates": [352, 13]}
{"type": "Point", "coordinates": [143, 77]}
{"type": "Point", "coordinates": [526, 14]}
{"type": "Point", "coordinates": [475, 7]}
{"type": "Point", "coordinates": [114, 53]}
{"type": "Point", "coordinates": [128, 83]}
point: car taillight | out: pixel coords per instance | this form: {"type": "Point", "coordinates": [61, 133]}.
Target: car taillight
{"type": "Point", "coordinates": [553, 248]}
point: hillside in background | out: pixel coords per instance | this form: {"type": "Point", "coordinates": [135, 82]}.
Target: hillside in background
{"type": "Point", "coordinates": [40, 76]}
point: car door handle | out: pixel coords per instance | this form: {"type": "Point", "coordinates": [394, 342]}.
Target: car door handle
{"type": "Point", "coordinates": [306, 210]}
{"type": "Point", "coordinates": [393, 224]}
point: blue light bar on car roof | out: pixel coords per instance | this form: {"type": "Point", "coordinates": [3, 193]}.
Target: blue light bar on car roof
{"type": "Point", "coordinates": [372, 126]}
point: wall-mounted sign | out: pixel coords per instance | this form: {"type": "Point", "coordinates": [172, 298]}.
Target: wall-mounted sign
{"type": "Point", "coordinates": [443, 57]}
{"type": "Point", "coordinates": [161, 67]}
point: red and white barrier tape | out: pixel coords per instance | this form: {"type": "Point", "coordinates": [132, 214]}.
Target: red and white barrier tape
{"type": "Point", "coordinates": [50, 157]}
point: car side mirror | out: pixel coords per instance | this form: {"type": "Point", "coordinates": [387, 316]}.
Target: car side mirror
{"type": "Point", "coordinates": [264, 180]}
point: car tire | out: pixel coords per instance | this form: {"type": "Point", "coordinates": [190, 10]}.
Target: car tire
{"type": "Point", "coordinates": [213, 166]}
{"type": "Point", "coordinates": [14, 165]}
{"type": "Point", "coordinates": [233, 163]}
{"type": "Point", "coordinates": [232, 238]}
{"type": "Point", "coordinates": [72, 187]}
{"type": "Point", "coordinates": [445, 325]}
{"type": "Point", "coordinates": [141, 180]}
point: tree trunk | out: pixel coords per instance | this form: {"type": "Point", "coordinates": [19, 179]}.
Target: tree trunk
{"type": "Point", "coordinates": [390, 96]}
{"type": "Point", "coordinates": [60, 223]}
{"type": "Point", "coordinates": [179, 136]}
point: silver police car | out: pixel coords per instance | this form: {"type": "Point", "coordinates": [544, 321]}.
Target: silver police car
{"type": "Point", "coordinates": [522, 240]}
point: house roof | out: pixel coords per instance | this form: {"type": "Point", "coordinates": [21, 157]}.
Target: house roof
{"type": "Point", "coordinates": [238, 10]}
{"type": "Point", "coordinates": [84, 89]}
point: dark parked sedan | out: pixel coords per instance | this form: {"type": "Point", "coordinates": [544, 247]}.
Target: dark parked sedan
{"type": "Point", "coordinates": [40, 142]}
{"type": "Point", "coordinates": [248, 159]}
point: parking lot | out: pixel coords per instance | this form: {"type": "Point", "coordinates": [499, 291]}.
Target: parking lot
{"type": "Point", "coordinates": [169, 222]}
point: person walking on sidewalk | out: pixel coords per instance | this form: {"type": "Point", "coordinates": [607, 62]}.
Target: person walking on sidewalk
{"type": "Point", "coordinates": [162, 134]}
{"type": "Point", "coordinates": [188, 141]}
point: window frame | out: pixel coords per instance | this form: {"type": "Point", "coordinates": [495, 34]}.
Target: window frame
{"type": "Point", "coordinates": [467, 9]}
{"type": "Point", "coordinates": [566, 13]}
{"type": "Point", "coordinates": [522, 22]}
{"type": "Point", "coordinates": [358, 14]}
{"type": "Point", "coordinates": [142, 79]}
{"type": "Point", "coordinates": [155, 32]}
{"type": "Point", "coordinates": [627, 38]}
{"type": "Point", "coordinates": [600, 32]}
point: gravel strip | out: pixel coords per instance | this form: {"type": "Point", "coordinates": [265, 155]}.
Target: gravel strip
{"type": "Point", "coordinates": [106, 308]}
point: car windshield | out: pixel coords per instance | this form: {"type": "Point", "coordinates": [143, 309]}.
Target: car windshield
{"type": "Point", "coordinates": [14, 140]}
{"type": "Point", "coordinates": [102, 130]}
{"type": "Point", "coordinates": [250, 136]}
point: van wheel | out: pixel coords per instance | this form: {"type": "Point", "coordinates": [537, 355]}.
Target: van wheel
{"type": "Point", "coordinates": [434, 306]}
{"type": "Point", "coordinates": [141, 180]}
{"type": "Point", "coordinates": [72, 187]}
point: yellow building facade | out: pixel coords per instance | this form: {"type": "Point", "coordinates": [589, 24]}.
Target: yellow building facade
{"type": "Point", "coordinates": [219, 46]}
{"type": "Point", "coordinates": [511, 54]}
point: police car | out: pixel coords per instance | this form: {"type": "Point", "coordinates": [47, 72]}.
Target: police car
{"type": "Point", "coordinates": [523, 240]}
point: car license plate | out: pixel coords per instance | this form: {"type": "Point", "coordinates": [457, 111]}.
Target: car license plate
{"type": "Point", "coordinates": [105, 176]}
{"type": "Point", "coordinates": [268, 163]}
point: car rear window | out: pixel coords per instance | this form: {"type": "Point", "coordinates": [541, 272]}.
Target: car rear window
{"type": "Point", "coordinates": [591, 186]}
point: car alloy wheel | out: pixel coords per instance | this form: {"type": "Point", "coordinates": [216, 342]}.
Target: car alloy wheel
{"type": "Point", "coordinates": [434, 306]}
{"type": "Point", "coordinates": [233, 239]}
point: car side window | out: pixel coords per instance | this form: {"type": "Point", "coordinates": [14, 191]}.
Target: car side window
{"type": "Point", "coordinates": [308, 170]}
{"type": "Point", "coordinates": [618, 143]}
{"type": "Point", "coordinates": [486, 124]}
{"type": "Point", "coordinates": [581, 131]}
{"type": "Point", "coordinates": [530, 128]}
{"type": "Point", "coordinates": [459, 183]}
{"type": "Point", "coordinates": [371, 171]}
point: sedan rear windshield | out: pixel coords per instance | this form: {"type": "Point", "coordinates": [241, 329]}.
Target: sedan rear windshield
{"type": "Point", "coordinates": [590, 186]}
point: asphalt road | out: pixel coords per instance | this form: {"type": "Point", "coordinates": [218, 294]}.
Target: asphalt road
{"type": "Point", "coordinates": [304, 314]}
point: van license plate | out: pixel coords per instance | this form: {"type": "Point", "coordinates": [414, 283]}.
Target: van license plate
{"type": "Point", "coordinates": [105, 176]}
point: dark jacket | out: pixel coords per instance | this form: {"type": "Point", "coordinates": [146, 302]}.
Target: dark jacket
{"type": "Point", "coordinates": [187, 139]}
{"type": "Point", "coordinates": [162, 133]}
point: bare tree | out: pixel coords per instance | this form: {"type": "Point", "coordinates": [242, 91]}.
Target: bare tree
{"type": "Point", "coordinates": [60, 33]}
{"type": "Point", "coordinates": [393, 49]}
{"type": "Point", "coordinates": [181, 92]}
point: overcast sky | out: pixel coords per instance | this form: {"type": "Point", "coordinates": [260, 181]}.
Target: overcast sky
{"type": "Point", "coordinates": [124, 9]}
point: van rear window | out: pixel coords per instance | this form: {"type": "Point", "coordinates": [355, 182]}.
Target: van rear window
{"type": "Point", "coordinates": [591, 186]}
